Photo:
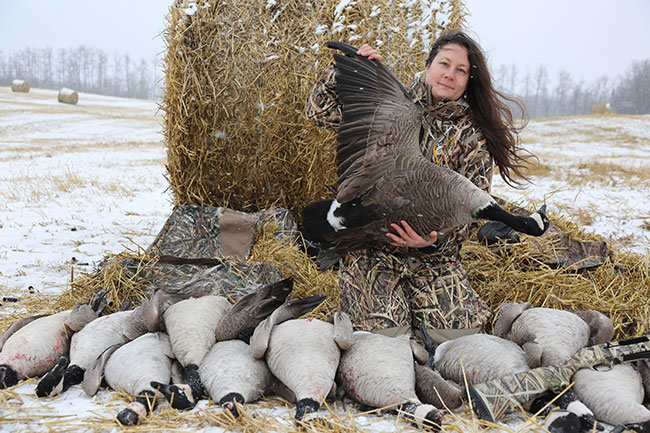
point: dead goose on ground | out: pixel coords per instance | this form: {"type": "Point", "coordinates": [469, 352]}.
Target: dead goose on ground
{"type": "Point", "coordinates": [132, 368]}
{"type": "Point", "coordinates": [378, 371]}
{"type": "Point", "coordinates": [194, 325]}
{"type": "Point", "coordinates": [89, 344]}
{"type": "Point", "coordinates": [383, 177]}
{"type": "Point", "coordinates": [550, 336]}
{"type": "Point", "coordinates": [614, 394]}
{"type": "Point", "coordinates": [33, 346]}
{"type": "Point", "coordinates": [303, 353]}
{"type": "Point", "coordinates": [233, 376]}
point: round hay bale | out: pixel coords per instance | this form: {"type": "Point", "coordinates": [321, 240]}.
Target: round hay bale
{"type": "Point", "coordinates": [21, 86]}
{"type": "Point", "coordinates": [238, 74]}
{"type": "Point", "coordinates": [68, 96]}
{"type": "Point", "coordinates": [601, 109]}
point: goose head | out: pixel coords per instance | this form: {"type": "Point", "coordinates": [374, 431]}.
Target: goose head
{"type": "Point", "coordinates": [537, 222]}
{"type": "Point", "coordinates": [8, 376]}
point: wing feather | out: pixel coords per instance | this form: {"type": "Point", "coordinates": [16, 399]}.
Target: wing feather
{"type": "Point", "coordinates": [379, 121]}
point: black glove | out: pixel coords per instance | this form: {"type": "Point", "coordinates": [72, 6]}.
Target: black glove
{"type": "Point", "coordinates": [494, 231]}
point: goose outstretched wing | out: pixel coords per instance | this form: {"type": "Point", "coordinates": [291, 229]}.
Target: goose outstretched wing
{"type": "Point", "coordinates": [379, 122]}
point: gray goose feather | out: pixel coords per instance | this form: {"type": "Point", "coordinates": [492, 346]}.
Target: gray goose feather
{"type": "Point", "coordinates": [478, 358]}
{"type": "Point", "coordinates": [549, 336]}
{"type": "Point", "coordinates": [615, 395]}
{"type": "Point", "coordinates": [382, 175]}
{"type": "Point", "coordinates": [230, 368]}
{"type": "Point", "coordinates": [378, 371]}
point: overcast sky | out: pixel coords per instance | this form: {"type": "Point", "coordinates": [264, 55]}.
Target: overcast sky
{"type": "Point", "coordinates": [587, 38]}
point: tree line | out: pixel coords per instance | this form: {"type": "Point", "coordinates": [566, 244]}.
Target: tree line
{"type": "Point", "coordinates": [544, 97]}
{"type": "Point", "coordinates": [83, 69]}
{"type": "Point", "coordinates": [92, 70]}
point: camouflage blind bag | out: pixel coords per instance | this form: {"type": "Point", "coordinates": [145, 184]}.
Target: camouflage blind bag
{"type": "Point", "coordinates": [203, 251]}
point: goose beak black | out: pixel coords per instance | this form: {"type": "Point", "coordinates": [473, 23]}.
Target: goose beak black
{"type": "Point", "coordinates": [542, 210]}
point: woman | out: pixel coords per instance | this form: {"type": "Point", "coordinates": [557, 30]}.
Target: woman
{"type": "Point", "coordinates": [468, 127]}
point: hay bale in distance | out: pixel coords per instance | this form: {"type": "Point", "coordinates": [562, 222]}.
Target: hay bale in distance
{"type": "Point", "coordinates": [21, 86]}
{"type": "Point", "coordinates": [601, 109]}
{"type": "Point", "coordinates": [238, 75]}
{"type": "Point", "coordinates": [68, 96]}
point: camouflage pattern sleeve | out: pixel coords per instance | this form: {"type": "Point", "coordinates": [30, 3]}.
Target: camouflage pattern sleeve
{"type": "Point", "coordinates": [323, 106]}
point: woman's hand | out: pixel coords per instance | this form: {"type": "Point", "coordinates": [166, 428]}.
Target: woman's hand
{"type": "Point", "coordinates": [407, 237]}
{"type": "Point", "coordinates": [366, 50]}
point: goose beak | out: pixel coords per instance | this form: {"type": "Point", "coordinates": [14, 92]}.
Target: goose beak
{"type": "Point", "coordinates": [542, 210]}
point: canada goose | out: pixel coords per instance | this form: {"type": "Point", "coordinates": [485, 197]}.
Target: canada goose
{"type": "Point", "coordinates": [232, 375]}
{"type": "Point", "coordinates": [615, 394]}
{"type": "Point", "coordinates": [303, 353]}
{"type": "Point", "coordinates": [133, 366]}
{"type": "Point", "coordinates": [478, 358]}
{"type": "Point", "coordinates": [195, 324]}
{"type": "Point", "coordinates": [550, 336]}
{"type": "Point", "coordinates": [383, 177]}
{"type": "Point", "coordinates": [33, 346]}
{"type": "Point", "coordinates": [378, 371]}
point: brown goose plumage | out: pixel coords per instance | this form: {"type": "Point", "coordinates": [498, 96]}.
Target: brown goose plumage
{"type": "Point", "coordinates": [382, 175]}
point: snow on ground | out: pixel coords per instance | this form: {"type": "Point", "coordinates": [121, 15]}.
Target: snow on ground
{"type": "Point", "coordinates": [79, 182]}
{"type": "Point", "coordinates": [597, 173]}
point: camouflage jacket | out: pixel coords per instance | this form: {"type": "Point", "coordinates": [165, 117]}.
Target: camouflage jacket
{"type": "Point", "coordinates": [448, 137]}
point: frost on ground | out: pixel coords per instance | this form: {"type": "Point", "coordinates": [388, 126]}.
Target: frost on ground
{"type": "Point", "coordinates": [78, 182]}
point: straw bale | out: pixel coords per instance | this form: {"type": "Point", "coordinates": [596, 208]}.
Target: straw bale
{"type": "Point", "coordinates": [238, 75]}
{"type": "Point", "coordinates": [601, 109]}
{"type": "Point", "coordinates": [68, 96]}
{"type": "Point", "coordinates": [20, 86]}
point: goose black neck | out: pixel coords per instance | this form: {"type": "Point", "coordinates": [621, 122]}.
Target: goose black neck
{"type": "Point", "coordinates": [522, 224]}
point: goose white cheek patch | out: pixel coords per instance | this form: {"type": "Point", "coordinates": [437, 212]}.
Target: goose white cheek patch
{"type": "Point", "coordinates": [334, 221]}
{"type": "Point", "coordinates": [538, 219]}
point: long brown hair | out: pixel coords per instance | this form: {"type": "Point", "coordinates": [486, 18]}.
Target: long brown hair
{"type": "Point", "coordinates": [490, 110]}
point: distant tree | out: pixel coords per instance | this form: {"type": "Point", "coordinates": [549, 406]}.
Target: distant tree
{"type": "Point", "coordinates": [560, 94]}
{"type": "Point", "coordinates": [632, 94]}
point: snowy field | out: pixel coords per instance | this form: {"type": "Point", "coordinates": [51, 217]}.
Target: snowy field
{"type": "Point", "coordinates": [79, 182]}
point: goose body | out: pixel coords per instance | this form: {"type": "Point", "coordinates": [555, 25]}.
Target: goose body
{"type": "Point", "coordinates": [230, 373]}
{"type": "Point", "coordinates": [378, 371]}
{"type": "Point", "coordinates": [132, 367]}
{"type": "Point", "coordinates": [615, 395]}
{"type": "Point", "coordinates": [303, 353]}
{"type": "Point", "coordinates": [383, 176]}
{"type": "Point", "coordinates": [548, 336]}
{"type": "Point", "coordinates": [478, 358]}
{"type": "Point", "coordinates": [33, 349]}
{"type": "Point", "coordinates": [89, 343]}
{"type": "Point", "coordinates": [190, 325]}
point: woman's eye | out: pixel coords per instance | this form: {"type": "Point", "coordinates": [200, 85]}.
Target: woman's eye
{"type": "Point", "coordinates": [462, 71]}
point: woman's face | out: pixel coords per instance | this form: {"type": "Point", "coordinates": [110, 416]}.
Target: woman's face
{"type": "Point", "coordinates": [448, 73]}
